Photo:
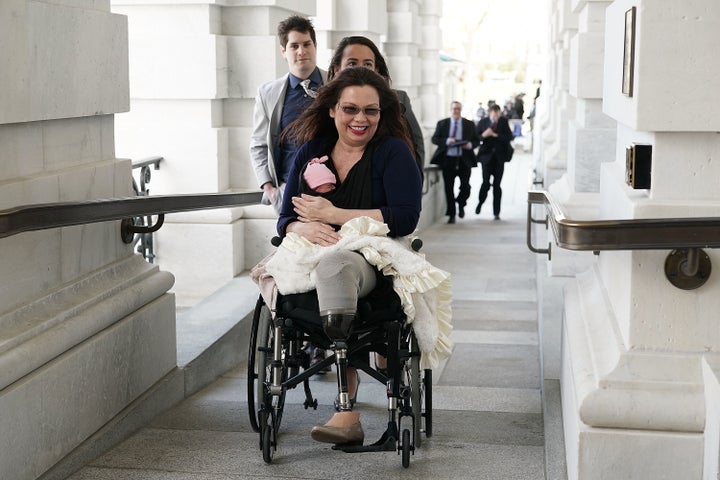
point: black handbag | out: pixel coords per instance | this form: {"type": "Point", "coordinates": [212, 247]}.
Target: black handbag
{"type": "Point", "coordinates": [510, 151]}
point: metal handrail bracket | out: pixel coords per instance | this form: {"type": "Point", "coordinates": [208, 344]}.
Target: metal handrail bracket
{"type": "Point", "coordinates": [528, 233]}
{"type": "Point", "coordinates": [432, 177]}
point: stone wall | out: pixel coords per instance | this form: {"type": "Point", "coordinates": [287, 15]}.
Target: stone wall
{"type": "Point", "coordinates": [637, 367]}
{"type": "Point", "coordinates": [85, 326]}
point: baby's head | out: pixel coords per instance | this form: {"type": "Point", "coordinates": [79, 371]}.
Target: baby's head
{"type": "Point", "coordinates": [318, 176]}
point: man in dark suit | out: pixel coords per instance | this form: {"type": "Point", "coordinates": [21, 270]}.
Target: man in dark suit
{"type": "Point", "coordinates": [456, 138]}
{"type": "Point", "coordinates": [493, 153]}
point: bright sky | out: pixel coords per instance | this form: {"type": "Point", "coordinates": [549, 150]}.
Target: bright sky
{"type": "Point", "coordinates": [507, 25]}
{"type": "Point", "coordinates": [488, 33]}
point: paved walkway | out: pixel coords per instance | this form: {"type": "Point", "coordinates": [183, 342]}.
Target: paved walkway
{"type": "Point", "coordinates": [487, 405]}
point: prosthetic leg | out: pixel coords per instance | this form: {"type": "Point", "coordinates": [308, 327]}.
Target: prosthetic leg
{"type": "Point", "coordinates": [344, 428]}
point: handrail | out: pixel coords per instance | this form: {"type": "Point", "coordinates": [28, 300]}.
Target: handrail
{"type": "Point", "coordinates": [52, 215]}
{"type": "Point", "coordinates": [634, 234]}
{"type": "Point", "coordinates": [687, 266]}
{"type": "Point", "coordinates": [146, 162]}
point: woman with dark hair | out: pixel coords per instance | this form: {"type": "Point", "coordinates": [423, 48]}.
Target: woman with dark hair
{"type": "Point", "coordinates": [356, 121]}
{"type": "Point", "coordinates": [343, 57]}
{"type": "Point", "coordinates": [358, 51]}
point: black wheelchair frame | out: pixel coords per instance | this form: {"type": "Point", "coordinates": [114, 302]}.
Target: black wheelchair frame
{"type": "Point", "coordinates": [277, 363]}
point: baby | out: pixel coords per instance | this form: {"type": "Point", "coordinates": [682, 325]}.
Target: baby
{"type": "Point", "coordinates": [318, 176]}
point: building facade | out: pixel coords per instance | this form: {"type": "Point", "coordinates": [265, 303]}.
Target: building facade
{"type": "Point", "coordinates": [87, 328]}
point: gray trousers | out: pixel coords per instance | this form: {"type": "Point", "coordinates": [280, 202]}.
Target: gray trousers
{"type": "Point", "coordinates": [342, 278]}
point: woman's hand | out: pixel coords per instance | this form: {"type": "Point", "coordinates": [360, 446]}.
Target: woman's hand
{"type": "Point", "coordinates": [314, 209]}
{"type": "Point", "coordinates": [319, 233]}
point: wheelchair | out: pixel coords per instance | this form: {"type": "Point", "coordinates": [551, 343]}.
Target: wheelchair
{"type": "Point", "coordinates": [278, 363]}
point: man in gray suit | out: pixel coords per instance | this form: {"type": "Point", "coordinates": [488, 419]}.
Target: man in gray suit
{"type": "Point", "coordinates": [279, 102]}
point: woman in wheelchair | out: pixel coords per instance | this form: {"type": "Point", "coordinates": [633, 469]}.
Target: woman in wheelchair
{"type": "Point", "coordinates": [356, 121]}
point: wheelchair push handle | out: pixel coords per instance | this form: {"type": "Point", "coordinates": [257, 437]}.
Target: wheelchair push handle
{"type": "Point", "coordinates": [415, 242]}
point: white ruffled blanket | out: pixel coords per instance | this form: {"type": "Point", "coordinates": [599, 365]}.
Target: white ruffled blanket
{"type": "Point", "coordinates": [424, 290]}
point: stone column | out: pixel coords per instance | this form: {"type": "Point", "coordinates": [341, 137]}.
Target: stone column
{"type": "Point", "coordinates": [412, 44]}
{"type": "Point", "coordinates": [402, 47]}
{"type": "Point", "coordinates": [555, 97]}
{"type": "Point", "coordinates": [591, 133]}
{"type": "Point", "coordinates": [591, 136]}
{"type": "Point", "coordinates": [194, 72]}
{"type": "Point", "coordinates": [86, 326]}
{"type": "Point", "coordinates": [336, 19]}
{"type": "Point", "coordinates": [632, 372]}
{"type": "Point", "coordinates": [553, 127]}
{"type": "Point", "coordinates": [429, 106]}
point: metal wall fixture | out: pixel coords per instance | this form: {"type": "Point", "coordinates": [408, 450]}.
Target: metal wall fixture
{"type": "Point", "coordinates": [431, 178]}
{"type": "Point", "coordinates": [687, 265]}
{"type": "Point", "coordinates": [143, 226]}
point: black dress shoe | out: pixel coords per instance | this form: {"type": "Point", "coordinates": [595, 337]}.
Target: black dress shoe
{"type": "Point", "coordinates": [497, 217]}
{"type": "Point", "coordinates": [477, 209]}
{"type": "Point", "coordinates": [451, 219]}
{"type": "Point", "coordinates": [461, 211]}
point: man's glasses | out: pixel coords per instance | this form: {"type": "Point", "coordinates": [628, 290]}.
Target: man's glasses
{"type": "Point", "coordinates": [353, 110]}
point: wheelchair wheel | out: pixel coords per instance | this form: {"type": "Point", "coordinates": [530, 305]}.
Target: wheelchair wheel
{"type": "Point", "coordinates": [405, 448]}
{"type": "Point", "coordinates": [416, 391]}
{"type": "Point", "coordinates": [266, 437]}
{"type": "Point", "coordinates": [259, 358]}
{"type": "Point", "coordinates": [427, 384]}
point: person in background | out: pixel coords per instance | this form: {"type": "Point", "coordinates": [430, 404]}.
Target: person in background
{"type": "Point", "coordinates": [359, 51]}
{"type": "Point", "coordinates": [518, 114]}
{"type": "Point", "coordinates": [492, 154]}
{"type": "Point", "coordinates": [508, 110]}
{"type": "Point", "coordinates": [456, 138]}
{"type": "Point", "coordinates": [519, 106]}
{"type": "Point", "coordinates": [279, 102]}
{"type": "Point", "coordinates": [356, 121]}
{"type": "Point", "coordinates": [480, 113]}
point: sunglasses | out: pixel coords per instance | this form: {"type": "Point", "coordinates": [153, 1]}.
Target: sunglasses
{"type": "Point", "coordinates": [353, 110]}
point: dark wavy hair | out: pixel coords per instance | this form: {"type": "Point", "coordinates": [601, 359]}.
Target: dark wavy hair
{"type": "Point", "coordinates": [297, 23]}
{"type": "Point", "coordinates": [380, 64]}
{"type": "Point", "coordinates": [315, 121]}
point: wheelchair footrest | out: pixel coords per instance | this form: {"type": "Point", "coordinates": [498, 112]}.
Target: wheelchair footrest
{"type": "Point", "coordinates": [387, 443]}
